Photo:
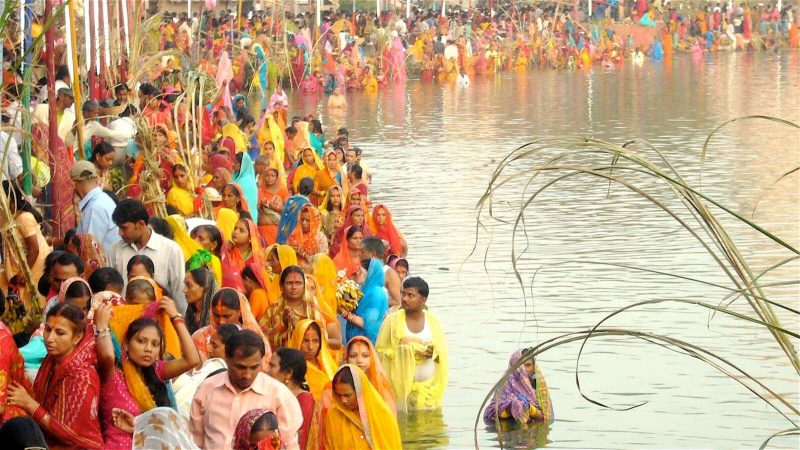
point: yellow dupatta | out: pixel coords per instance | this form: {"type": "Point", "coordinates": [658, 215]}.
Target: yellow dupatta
{"type": "Point", "coordinates": [325, 360]}
{"type": "Point", "coordinates": [288, 257]}
{"type": "Point", "coordinates": [373, 426]}
{"type": "Point", "coordinates": [189, 246]}
{"type": "Point", "coordinates": [232, 131]}
{"type": "Point", "coordinates": [399, 362]}
{"type": "Point", "coordinates": [271, 132]}
{"type": "Point", "coordinates": [305, 170]}
{"type": "Point", "coordinates": [226, 221]}
{"type": "Point", "coordinates": [181, 199]}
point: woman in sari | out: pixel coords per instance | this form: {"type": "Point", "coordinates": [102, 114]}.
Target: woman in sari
{"type": "Point", "coordinates": [228, 306]}
{"type": "Point", "coordinates": [258, 428]}
{"type": "Point", "coordinates": [201, 249]}
{"type": "Point", "coordinates": [216, 161]}
{"type": "Point", "coordinates": [66, 390]}
{"type": "Point", "coordinates": [524, 397]}
{"type": "Point", "coordinates": [245, 177]}
{"type": "Point", "coordinates": [254, 278]}
{"type": "Point", "coordinates": [199, 286]}
{"type": "Point", "coordinates": [309, 338]}
{"type": "Point", "coordinates": [355, 216]}
{"type": "Point", "coordinates": [12, 372]}
{"type": "Point", "coordinates": [271, 198]}
{"type": "Point", "coordinates": [368, 316]}
{"type": "Point", "coordinates": [382, 226]}
{"type": "Point", "coordinates": [233, 199]}
{"type": "Point", "coordinates": [278, 258]}
{"type": "Point", "coordinates": [244, 247]}
{"type": "Point", "coordinates": [359, 418]}
{"type": "Point", "coordinates": [329, 176]}
{"type": "Point", "coordinates": [290, 217]}
{"type": "Point", "coordinates": [332, 210]}
{"type": "Point", "coordinates": [361, 353]}
{"type": "Point", "coordinates": [316, 137]}
{"type": "Point", "coordinates": [289, 367]}
{"type": "Point", "coordinates": [88, 249]}
{"type": "Point", "coordinates": [180, 194]}
{"type": "Point", "coordinates": [308, 239]}
{"type": "Point", "coordinates": [307, 169]}
{"type": "Point", "coordinates": [349, 257]}
{"type": "Point", "coordinates": [138, 381]}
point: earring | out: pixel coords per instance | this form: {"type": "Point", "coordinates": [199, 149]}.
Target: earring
{"type": "Point", "coordinates": [286, 381]}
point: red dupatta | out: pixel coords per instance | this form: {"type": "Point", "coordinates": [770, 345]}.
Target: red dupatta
{"type": "Point", "coordinates": [344, 261]}
{"type": "Point", "coordinates": [387, 231]}
{"type": "Point", "coordinates": [68, 394]}
{"type": "Point", "coordinates": [233, 261]}
{"type": "Point", "coordinates": [340, 234]}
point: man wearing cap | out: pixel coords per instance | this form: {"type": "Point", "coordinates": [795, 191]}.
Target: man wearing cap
{"type": "Point", "coordinates": [66, 118]}
{"type": "Point", "coordinates": [96, 206]}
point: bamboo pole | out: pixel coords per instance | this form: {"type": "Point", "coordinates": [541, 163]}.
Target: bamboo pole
{"type": "Point", "coordinates": [76, 79]}
{"type": "Point", "coordinates": [52, 120]}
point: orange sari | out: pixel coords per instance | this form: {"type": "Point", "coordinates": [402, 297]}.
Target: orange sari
{"type": "Point", "coordinates": [375, 372]}
{"type": "Point", "coordinates": [344, 260]}
{"type": "Point", "coordinates": [233, 260]}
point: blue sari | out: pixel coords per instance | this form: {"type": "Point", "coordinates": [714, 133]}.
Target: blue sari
{"type": "Point", "coordinates": [290, 217]}
{"type": "Point", "coordinates": [373, 305]}
{"type": "Point", "coordinates": [246, 179]}
{"type": "Point", "coordinates": [317, 143]}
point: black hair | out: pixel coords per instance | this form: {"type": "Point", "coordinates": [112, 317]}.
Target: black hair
{"type": "Point", "coordinates": [144, 260]}
{"type": "Point", "coordinates": [147, 89]}
{"type": "Point", "coordinates": [203, 277]}
{"type": "Point", "coordinates": [213, 233]}
{"type": "Point", "coordinates": [291, 129]}
{"type": "Point", "coordinates": [418, 283]}
{"type": "Point", "coordinates": [247, 119]}
{"type": "Point", "coordinates": [69, 312]}
{"type": "Point", "coordinates": [306, 186]}
{"type": "Point", "coordinates": [344, 376]}
{"type": "Point", "coordinates": [157, 388]}
{"type": "Point", "coordinates": [316, 126]}
{"type": "Point", "coordinates": [293, 362]}
{"type": "Point", "coordinates": [20, 433]}
{"type": "Point", "coordinates": [106, 279]}
{"type": "Point", "coordinates": [77, 290]}
{"type": "Point", "coordinates": [247, 343]}
{"type": "Point", "coordinates": [130, 211]}
{"type": "Point", "coordinates": [63, 71]}
{"type": "Point", "coordinates": [248, 273]}
{"type": "Point", "coordinates": [68, 259]}
{"type": "Point", "coordinates": [342, 132]}
{"type": "Point", "coordinates": [357, 171]}
{"type": "Point", "coordinates": [226, 331]}
{"type": "Point", "coordinates": [229, 299]}
{"type": "Point", "coordinates": [161, 226]}
{"type": "Point", "coordinates": [101, 149]}
{"type": "Point", "coordinates": [292, 269]}
{"type": "Point", "coordinates": [19, 201]}
{"type": "Point", "coordinates": [374, 245]}
{"type": "Point", "coordinates": [120, 87]}
{"type": "Point", "coordinates": [44, 282]}
{"type": "Point", "coordinates": [177, 167]}
{"type": "Point", "coordinates": [353, 230]}
{"type": "Point", "coordinates": [267, 422]}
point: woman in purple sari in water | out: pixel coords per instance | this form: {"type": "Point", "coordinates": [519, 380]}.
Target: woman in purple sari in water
{"type": "Point", "coordinates": [524, 396]}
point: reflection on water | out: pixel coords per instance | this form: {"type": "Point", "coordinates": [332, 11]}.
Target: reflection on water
{"type": "Point", "coordinates": [432, 149]}
{"type": "Point", "coordinates": [426, 429]}
{"type": "Point", "coordinates": [514, 435]}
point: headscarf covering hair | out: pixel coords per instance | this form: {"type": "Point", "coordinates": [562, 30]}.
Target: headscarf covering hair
{"type": "Point", "coordinates": [220, 161]}
{"type": "Point", "coordinates": [241, 436]}
{"type": "Point", "coordinates": [375, 373]}
{"type": "Point", "coordinates": [246, 179]}
{"type": "Point", "coordinates": [387, 231]}
{"type": "Point", "coordinates": [518, 395]}
{"type": "Point", "coordinates": [373, 305]}
{"type": "Point", "coordinates": [290, 217]}
{"type": "Point", "coordinates": [62, 293]}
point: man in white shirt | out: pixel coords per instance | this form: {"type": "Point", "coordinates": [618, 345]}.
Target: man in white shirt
{"type": "Point", "coordinates": [66, 118]}
{"type": "Point", "coordinates": [91, 110]}
{"type": "Point", "coordinates": [138, 238]}
{"type": "Point", "coordinates": [96, 206]}
{"type": "Point", "coordinates": [11, 167]}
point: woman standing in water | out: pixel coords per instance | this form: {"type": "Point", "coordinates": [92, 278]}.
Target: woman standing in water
{"type": "Point", "coordinates": [524, 397]}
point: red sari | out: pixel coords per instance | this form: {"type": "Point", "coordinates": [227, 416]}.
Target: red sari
{"type": "Point", "coordinates": [68, 398]}
{"type": "Point", "coordinates": [12, 370]}
{"type": "Point", "coordinates": [62, 190]}
{"type": "Point", "coordinates": [387, 232]}
{"type": "Point", "coordinates": [340, 235]}
{"type": "Point", "coordinates": [344, 260]}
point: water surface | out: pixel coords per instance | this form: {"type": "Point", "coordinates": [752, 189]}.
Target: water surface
{"type": "Point", "coordinates": [432, 149]}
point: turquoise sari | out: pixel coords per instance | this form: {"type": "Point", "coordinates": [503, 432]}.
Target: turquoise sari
{"type": "Point", "coordinates": [246, 179]}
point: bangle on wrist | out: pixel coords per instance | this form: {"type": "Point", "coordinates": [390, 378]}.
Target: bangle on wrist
{"type": "Point", "coordinates": [176, 317]}
{"type": "Point", "coordinates": [99, 331]}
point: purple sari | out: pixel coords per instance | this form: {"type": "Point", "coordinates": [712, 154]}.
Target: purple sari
{"type": "Point", "coordinates": [518, 394]}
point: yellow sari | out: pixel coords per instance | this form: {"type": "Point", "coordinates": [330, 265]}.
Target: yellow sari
{"type": "Point", "coordinates": [181, 199]}
{"type": "Point", "coordinates": [288, 257]}
{"type": "Point", "coordinates": [320, 372]}
{"type": "Point", "coordinates": [373, 426]}
{"type": "Point", "coordinates": [239, 139]}
{"type": "Point", "coordinates": [305, 170]}
{"type": "Point", "coordinates": [399, 362]}
{"type": "Point", "coordinates": [270, 132]}
{"type": "Point", "coordinates": [190, 246]}
{"type": "Point", "coordinates": [226, 221]}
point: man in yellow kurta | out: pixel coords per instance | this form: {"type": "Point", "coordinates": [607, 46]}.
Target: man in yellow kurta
{"type": "Point", "coordinates": [413, 350]}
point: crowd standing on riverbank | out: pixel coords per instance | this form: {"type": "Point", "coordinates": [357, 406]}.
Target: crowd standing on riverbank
{"type": "Point", "coordinates": [215, 271]}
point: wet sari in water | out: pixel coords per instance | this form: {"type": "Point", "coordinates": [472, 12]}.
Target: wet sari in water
{"type": "Point", "coordinates": [521, 398]}
{"type": "Point", "coordinates": [372, 426]}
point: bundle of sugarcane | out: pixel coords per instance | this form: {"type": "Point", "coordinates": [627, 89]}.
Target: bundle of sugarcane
{"type": "Point", "coordinates": [150, 176]}
{"type": "Point", "coordinates": [15, 255]}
